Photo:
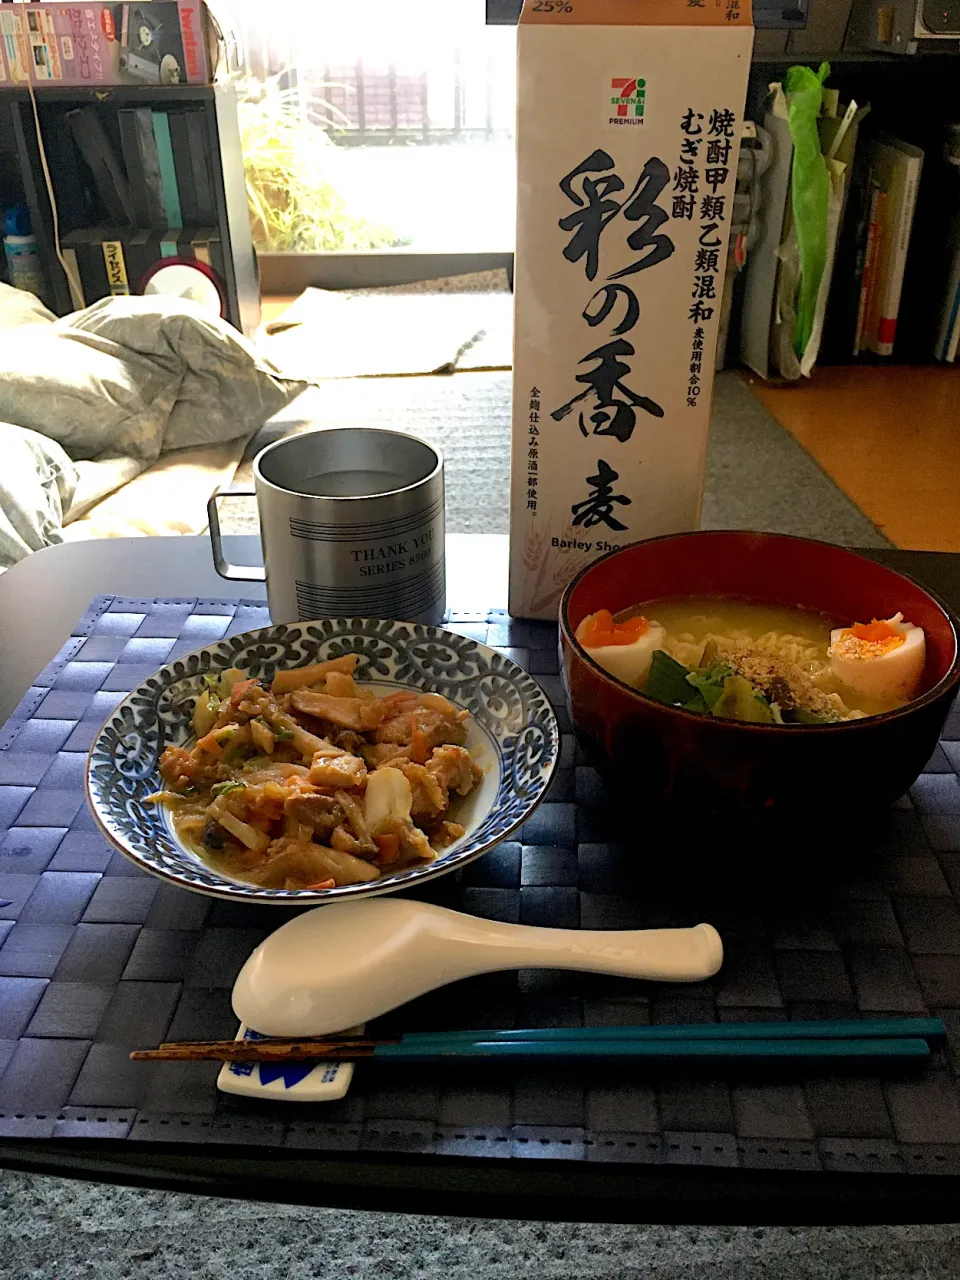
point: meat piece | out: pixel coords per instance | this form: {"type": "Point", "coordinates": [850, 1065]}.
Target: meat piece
{"type": "Point", "coordinates": [354, 826]}
{"type": "Point", "coordinates": [296, 864]}
{"type": "Point", "coordinates": [381, 753]}
{"type": "Point", "coordinates": [310, 723]}
{"type": "Point", "coordinates": [345, 842]}
{"type": "Point", "coordinates": [454, 769]}
{"type": "Point", "coordinates": [337, 771]}
{"type": "Point", "coordinates": [433, 727]}
{"type": "Point", "coordinates": [445, 834]}
{"type": "Point", "coordinates": [347, 740]}
{"type": "Point", "coordinates": [398, 729]}
{"type": "Point", "coordinates": [321, 813]}
{"type": "Point", "coordinates": [347, 713]}
{"type": "Point", "coordinates": [414, 845]}
{"type": "Point", "coordinates": [429, 797]}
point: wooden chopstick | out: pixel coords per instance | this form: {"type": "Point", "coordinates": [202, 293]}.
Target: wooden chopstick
{"type": "Point", "coordinates": [346, 1048]}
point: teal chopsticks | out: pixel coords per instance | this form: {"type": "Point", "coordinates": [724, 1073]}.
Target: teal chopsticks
{"type": "Point", "coordinates": [758, 1050]}
{"type": "Point", "coordinates": [929, 1029]}
{"type": "Point", "coordinates": [840, 1040]}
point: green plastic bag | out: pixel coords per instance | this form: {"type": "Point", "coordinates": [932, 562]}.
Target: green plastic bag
{"type": "Point", "coordinates": [810, 191]}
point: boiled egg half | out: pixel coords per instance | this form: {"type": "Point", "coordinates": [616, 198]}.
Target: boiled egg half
{"type": "Point", "coordinates": [883, 659]}
{"type": "Point", "coordinates": [625, 649]}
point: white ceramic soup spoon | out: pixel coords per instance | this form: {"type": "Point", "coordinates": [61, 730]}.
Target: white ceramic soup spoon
{"type": "Point", "coordinates": [344, 964]}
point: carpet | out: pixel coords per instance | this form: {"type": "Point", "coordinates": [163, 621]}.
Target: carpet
{"type": "Point", "coordinates": [59, 1230]}
{"type": "Point", "coordinates": [758, 477]}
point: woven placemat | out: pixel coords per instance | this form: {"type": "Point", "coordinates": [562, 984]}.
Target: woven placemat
{"type": "Point", "coordinates": [98, 957]}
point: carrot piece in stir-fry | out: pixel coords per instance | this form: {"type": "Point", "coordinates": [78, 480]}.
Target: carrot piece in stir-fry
{"type": "Point", "coordinates": [418, 746]}
{"type": "Point", "coordinates": [239, 689]}
{"type": "Point", "coordinates": [388, 847]}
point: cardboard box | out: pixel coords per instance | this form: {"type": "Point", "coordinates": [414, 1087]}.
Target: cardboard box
{"type": "Point", "coordinates": [155, 43]}
{"type": "Point", "coordinates": [628, 133]}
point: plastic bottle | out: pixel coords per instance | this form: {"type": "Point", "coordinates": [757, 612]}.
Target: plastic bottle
{"type": "Point", "coordinates": [22, 253]}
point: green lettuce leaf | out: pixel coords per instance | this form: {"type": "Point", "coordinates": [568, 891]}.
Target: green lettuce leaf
{"type": "Point", "coordinates": [667, 681]}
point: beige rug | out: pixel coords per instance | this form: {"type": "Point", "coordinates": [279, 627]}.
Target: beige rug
{"type": "Point", "coordinates": [386, 333]}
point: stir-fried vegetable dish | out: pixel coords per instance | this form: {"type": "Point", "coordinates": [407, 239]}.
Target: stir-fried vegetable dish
{"type": "Point", "coordinates": [311, 780]}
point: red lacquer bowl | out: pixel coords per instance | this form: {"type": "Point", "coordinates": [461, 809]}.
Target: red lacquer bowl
{"type": "Point", "coordinates": [738, 781]}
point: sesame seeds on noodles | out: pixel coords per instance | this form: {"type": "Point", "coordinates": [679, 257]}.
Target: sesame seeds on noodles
{"type": "Point", "coordinates": [790, 670]}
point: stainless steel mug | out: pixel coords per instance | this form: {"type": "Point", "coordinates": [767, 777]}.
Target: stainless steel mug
{"type": "Point", "coordinates": [352, 525]}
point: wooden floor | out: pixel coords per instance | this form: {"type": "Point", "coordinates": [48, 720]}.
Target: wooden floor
{"type": "Point", "coordinates": [890, 438]}
{"type": "Point", "coordinates": [273, 306]}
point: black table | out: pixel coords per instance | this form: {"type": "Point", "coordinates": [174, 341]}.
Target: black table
{"type": "Point", "coordinates": [40, 599]}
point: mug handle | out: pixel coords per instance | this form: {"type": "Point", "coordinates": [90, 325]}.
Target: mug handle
{"type": "Point", "coordinates": [236, 572]}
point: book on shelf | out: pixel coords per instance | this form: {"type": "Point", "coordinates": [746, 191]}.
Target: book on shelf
{"type": "Point", "coordinates": [133, 163]}
{"type": "Point", "coordinates": [167, 159]}
{"type": "Point", "coordinates": [98, 153]}
{"type": "Point", "coordinates": [949, 331]}
{"type": "Point", "coordinates": [870, 265]}
{"type": "Point", "coordinates": [168, 169]}
{"type": "Point", "coordinates": [895, 167]}
{"type": "Point", "coordinates": [200, 166]}
{"type": "Point", "coordinates": [88, 258]}
{"type": "Point", "coordinates": [180, 142]}
{"type": "Point", "coordinates": [948, 327]}
{"type": "Point", "coordinates": [114, 260]}
{"type": "Point", "coordinates": [954, 341]}
{"type": "Point", "coordinates": [143, 165]}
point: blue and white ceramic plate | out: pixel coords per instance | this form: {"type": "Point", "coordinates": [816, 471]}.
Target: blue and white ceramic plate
{"type": "Point", "coordinates": [512, 733]}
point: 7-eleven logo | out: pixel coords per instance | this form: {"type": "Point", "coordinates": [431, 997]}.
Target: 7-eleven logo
{"type": "Point", "coordinates": [630, 95]}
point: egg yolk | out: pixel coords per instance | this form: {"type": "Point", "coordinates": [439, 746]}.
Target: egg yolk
{"type": "Point", "coordinates": [869, 639]}
{"type": "Point", "coordinates": [601, 630]}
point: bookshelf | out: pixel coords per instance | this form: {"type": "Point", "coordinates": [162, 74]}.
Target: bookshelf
{"type": "Point", "coordinates": [78, 203]}
{"type": "Point", "coordinates": [913, 98]}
